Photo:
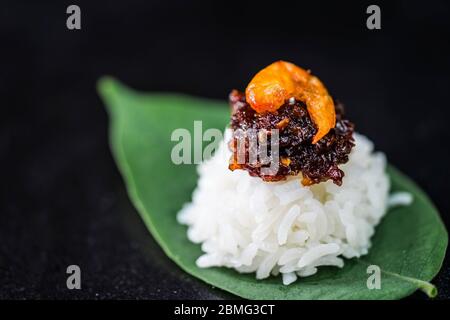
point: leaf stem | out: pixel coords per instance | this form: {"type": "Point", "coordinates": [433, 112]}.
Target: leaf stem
{"type": "Point", "coordinates": [428, 288]}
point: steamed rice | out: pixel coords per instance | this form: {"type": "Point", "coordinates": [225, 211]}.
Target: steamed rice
{"type": "Point", "coordinates": [283, 227]}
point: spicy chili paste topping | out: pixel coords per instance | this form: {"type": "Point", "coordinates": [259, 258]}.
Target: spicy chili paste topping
{"type": "Point", "coordinates": [296, 152]}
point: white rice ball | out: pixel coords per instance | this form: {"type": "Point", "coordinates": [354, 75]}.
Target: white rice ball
{"type": "Point", "coordinates": [283, 227]}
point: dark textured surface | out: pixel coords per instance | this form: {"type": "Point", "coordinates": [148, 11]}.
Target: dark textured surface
{"type": "Point", "coordinates": [63, 201]}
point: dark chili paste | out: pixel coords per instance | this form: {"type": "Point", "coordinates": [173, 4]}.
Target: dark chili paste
{"type": "Point", "coordinates": [317, 162]}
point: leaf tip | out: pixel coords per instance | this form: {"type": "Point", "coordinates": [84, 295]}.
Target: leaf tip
{"type": "Point", "coordinates": [105, 85]}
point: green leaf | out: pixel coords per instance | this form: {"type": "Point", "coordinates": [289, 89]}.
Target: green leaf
{"type": "Point", "coordinates": [409, 244]}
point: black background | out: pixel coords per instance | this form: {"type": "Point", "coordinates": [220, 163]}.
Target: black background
{"type": "Point", "coordinates": [63, 201]}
